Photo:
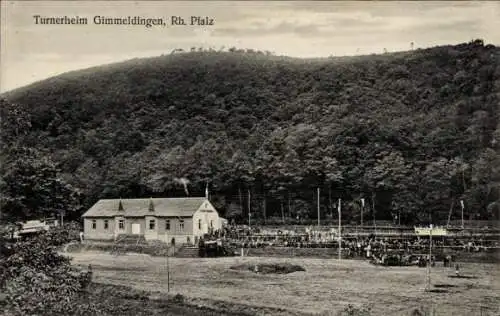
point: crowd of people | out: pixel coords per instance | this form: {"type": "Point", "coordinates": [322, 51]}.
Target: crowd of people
{"type": "Point", "coordinates": [369, 246]}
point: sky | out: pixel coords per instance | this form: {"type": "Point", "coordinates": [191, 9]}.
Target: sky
{"type": "Point", "coordinates": [31, 52]}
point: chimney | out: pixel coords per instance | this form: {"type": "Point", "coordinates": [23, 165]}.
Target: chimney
{"type": "Point", "coordinates": [151, 205]}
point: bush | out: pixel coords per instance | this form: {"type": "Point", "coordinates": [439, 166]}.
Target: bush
{"type": "Point", "coordinates": [62, 235]}
{"type": "Point", "coordinates": [179, 298]}
{"type": "Point", "coordinates": [36, 280]}
{"type": "Point", "coordinates": [351, 310]}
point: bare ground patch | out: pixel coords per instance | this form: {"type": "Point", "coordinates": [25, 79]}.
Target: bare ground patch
{"type": "Point", "coordinates": [269, 268]}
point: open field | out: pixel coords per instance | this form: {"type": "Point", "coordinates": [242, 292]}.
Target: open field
{"type": "Point", "coordinates": [326, 287]}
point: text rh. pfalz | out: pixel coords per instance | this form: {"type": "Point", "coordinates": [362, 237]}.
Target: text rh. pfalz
{"type": "Point", "coordinates": [193, 20]}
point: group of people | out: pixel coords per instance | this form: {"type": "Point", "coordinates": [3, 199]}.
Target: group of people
{"type": "Point", "coordinates": [245, 237]}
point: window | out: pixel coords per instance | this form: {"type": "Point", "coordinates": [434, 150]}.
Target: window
{"type": "Point", "coordinates": [94, 224]}
{"type": "Point", "coordinates": [199, 224]}
{"type": "Point", "coordinates": [121, 224]}
{"type": "Point", "coordinates": [181, 224]}
{"type": "Point", "coordinates": [106, 224]}
{"type": "Point", "coordinates": [152, 224]}
{"type": "Point", "coordinates": [212, 224]}
{"type": "Point", "coordinates": [167, 224]}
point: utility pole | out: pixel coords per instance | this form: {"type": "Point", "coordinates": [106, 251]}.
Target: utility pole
{"type": "Point", "coordinates": [362, 210]}
{"type": "Point", "coordinates": [428, 286]}
{"type": "Point", "coordinates": [249, 209]}
{"type": "Point", "coordinates": [319, 215]}
{"type": "Point", "coordinates": [264, 208]}
{"type": "Point", "coordinates": [373, 213]}
{"type": "Point", "coordinates": [61, 213]}
{"type": "Point", "coordinates": [449, 214]}
{"type": "Point", "coordinates": [463, 206]}
{"type": "Point", "coordinates": [340, 227]}
{"type": "Point", "coordinates": [168, 271]}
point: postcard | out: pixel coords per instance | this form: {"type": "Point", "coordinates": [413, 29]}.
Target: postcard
{"type": "Point", "coordinates": [250, 158]}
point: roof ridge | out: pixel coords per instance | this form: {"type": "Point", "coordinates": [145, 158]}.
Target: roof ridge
{"type": "Point", "coordinates": [162, 206]}
{"type": "Point", "coordinates": [165, 198]}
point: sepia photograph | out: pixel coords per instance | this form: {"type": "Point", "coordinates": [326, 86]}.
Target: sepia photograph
{"type": "Point", "coordinates": [239, 158]}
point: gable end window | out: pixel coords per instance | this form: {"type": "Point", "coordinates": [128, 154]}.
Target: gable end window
{"type": "Point", "coordinates": [181, 224]}
{"type": "Point", "coordinates": [152, 224]}
{"type": "Point", "coordinates": [121, 224]}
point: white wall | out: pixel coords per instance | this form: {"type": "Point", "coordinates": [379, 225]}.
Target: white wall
{"type": "Point", "coordinates": [208, 216]}
{"type": "Point", "coordinates": [179, 239]}
{"type": "Point", "coordinates": [148, 233]}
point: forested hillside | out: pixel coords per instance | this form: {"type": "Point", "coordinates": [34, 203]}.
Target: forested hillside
{"type": "Point", "coordinates": [411, 132]}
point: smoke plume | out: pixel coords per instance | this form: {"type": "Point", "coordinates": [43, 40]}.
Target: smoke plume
{"type": "Point", "coordinates": [184, 182]}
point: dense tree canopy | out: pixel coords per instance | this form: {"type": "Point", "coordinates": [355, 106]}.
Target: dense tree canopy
{"type": "Point", "coordinates": [412, 132]}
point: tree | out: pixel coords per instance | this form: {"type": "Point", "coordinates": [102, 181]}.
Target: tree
{"type": "Point", "coordinates": [240, 173]}
{"type": "Point", "coordinates": [32, 187]}
{"type": "Point", "coordinates": [484, 194]}
{"type": "Point", "coordinates": [434, 187]}
{"type": "Point", "coordinates": [15, 123]}
{"type": "Point", "coordinates": [37, 280]}
{"type": "Point", "coordinates": [394, 176]}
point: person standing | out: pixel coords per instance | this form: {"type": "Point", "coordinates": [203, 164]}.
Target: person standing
{"type": "Point", "coordinates": [81, 237]}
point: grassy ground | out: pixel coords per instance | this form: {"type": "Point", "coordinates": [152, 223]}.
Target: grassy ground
{"type": "Point", "coordinates": [121, 300]}
{"type": "Point", "coordinates": [327, 286]}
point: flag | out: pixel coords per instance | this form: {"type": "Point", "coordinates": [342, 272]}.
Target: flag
{"type": "Point", "coordinates": [362, 202]}
{"type": "Point", "coordinates": [206, 191]}
{"type": "Point", "coordinates": [338, 206]}
{"type": "Point", "coordinates": [462, 204]}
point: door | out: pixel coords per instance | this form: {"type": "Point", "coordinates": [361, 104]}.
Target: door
{"type": "Point", "coordinates": [136, 229]}
{"type": "Point", "coordinates": [204, 228]}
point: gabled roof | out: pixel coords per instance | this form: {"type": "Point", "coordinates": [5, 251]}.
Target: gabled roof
{"type": "Point", "coordinates": [163, 207]}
